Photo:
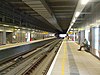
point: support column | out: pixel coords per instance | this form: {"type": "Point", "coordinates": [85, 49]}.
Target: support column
{"type": "Point", "coordinates": [4, 33]}
{"type": "Point", "coordinates": [4, 37]}
{"type": "Point", "coordinates": [74, 34]}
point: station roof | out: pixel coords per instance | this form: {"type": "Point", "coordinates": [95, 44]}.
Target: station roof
{"type": "Point", "coordinates": [54, 15]}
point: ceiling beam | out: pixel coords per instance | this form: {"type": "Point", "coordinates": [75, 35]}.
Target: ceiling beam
{"type": "Point", "coordinates": [86, 13]}
{"type": "Point", "coordinates": [15, 2]}
{"type": "Point", "coordinates": [63, 13]}
{"type": "Point", "coordinates": [62, 10]}
{"type": "Point", "coordinates": [80, 19]}
{"type": "Point", "coordinates": [63, 6]}
{"type": "Point", "coordinates": [45, 13]}
{"type": "Point", "coordinates": [64, 16]}
{"type": "Point", "coordinates": [61, 0]}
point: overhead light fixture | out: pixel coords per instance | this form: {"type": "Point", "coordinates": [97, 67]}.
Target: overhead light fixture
{"type": "Point", "coordinates": [33, 31]}
{"type": "Point", "coordinates": [74, 20]}
{"type": "Point", "coordinates": [15, 29]}
{"type": "Point", "coordinates": [70, 27]}
{"type": "Point", "coordinates": [77, 14]}
{"type": "Point", "coordinates": [6, 25]}
{"type": "Point", "coordinates": [18, 29]}
{"type": "Point", "coordinates": [72, 24]}
{"type": "Point", "coordinates": [84, 2]}
{"type": "Point", "coordinates": [97, 20]}
{"type": "Point", "coordinates": [29, 29]}
{"type": "Point", "coordinates": [16, 26]}
{"type": "Point", "coordinates": [92, 25]}
{"type": "Point", "coordinates": [23, 28]}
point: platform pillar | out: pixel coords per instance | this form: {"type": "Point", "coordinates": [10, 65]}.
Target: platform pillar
{"type": "Point", "coordinates": [4, 37]}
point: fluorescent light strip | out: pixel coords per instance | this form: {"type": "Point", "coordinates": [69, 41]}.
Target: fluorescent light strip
{"type": "Point", "coordinates": [6, 25]}
{"type": "Point", "coordinates": [74, 20]}
{"type": "Point", "coordinates": [84, 2]}
{"type": "Point", "coordinates": [18, 29]}
{"type": "Point", "coordinates": [23, 28]}
{"type": "Point", "coordinates": [77, 14]}
{"type": "Point", "coordinates": [80, 6]}
{"type": "Point", "coordinates": [71, 24]}
{"type": "Point", "coordinates": [16, 26]}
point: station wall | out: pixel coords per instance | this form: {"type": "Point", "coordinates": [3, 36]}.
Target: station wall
{"type": "Point", "coordinates": [92, 35]}
{"type": "Point", "coordinates": [91, 28]}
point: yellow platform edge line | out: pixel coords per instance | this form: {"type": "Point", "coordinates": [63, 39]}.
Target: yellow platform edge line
{"type": "Point", "coordinates": [64, 59]}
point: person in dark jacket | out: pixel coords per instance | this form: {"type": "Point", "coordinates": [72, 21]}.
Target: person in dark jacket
{"type": "Point", "coordinates": [84, 44]}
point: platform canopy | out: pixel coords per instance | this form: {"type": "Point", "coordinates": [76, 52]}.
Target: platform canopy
{"type": "Point", "coordinates": [55, 15]}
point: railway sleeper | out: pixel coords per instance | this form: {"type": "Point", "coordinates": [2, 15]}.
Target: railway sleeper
{"type": "Point", "coordinates": [31, 68]}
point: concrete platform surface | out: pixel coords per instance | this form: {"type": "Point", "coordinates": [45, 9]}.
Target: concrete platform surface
{"type": "Point", "coordinates": [70, 61]}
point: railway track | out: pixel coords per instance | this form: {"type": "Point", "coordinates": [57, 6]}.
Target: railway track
{"type": "Point", "coordinates": [23, 64]}
{"type": "Point", "coordinates": [43, 68]}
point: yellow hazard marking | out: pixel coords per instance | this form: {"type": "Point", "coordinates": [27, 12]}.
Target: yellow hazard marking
{"type": "Point", "coordinates": [64, 60]}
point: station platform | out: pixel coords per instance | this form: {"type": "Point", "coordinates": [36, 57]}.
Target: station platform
{"type": "Point", "coordinates": [70, 61]}
{"type": "Point", "coordinates": [2, 47]}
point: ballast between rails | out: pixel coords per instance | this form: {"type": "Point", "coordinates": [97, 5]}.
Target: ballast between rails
{"type": "Point", "coordinates": [45, 46]}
